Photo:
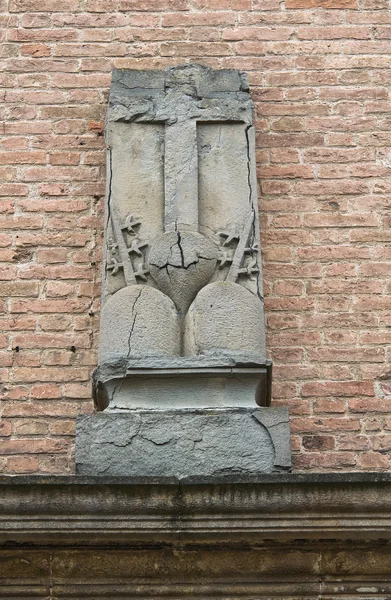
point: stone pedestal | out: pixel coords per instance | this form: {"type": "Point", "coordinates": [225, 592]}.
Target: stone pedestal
{"type": "Point", "coordinates": [183, 443]}
{"type": "Point", "coordinates": [182, 368]}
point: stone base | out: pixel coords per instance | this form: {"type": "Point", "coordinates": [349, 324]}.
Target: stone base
{"type": "Point", "coordinates": [183, 443]}
{"type": "Point", "coordinates": [177, 383]}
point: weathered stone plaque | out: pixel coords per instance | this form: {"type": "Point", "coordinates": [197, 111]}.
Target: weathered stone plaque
{"type": "Point", "coordinates": [182, 323]}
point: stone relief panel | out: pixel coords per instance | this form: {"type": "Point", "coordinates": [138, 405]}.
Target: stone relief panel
{"type": "Point", "coordinates": [182, 267]}
{"type": "Point", "coordinates": [182, 362]}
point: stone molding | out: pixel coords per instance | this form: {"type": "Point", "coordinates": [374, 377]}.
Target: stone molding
{"type": "Point", "coordinates": [324, 537]}
{"type": "Point", "coordinates": [87, 510]}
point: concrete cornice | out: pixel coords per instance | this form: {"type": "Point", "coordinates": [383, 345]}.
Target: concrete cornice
{"type": "Point", "coordinates": [65, 511]}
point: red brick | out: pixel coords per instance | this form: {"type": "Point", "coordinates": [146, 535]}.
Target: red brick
{"type": "Point", "coordinates": [329, 461]}
{"type": "Point", "coordinates": [367, 405]}
{"type": "Point", "coordinates": [22, 464]}
{"type": "Point", "coordinates": [30, 446]}
{"type": "Point", "coordinates": [327, 405]}
{"type": "Point", "coordinates": [185, 49]}
{"type": "Point", "coordinates": [257, 33]}
{"type": "Point", "coordinates": [13, 189]}
{"type": "Point", "coordinates": [43, 6]}
{"type": "Point", "coordinates": [372, 460]}
{"type": "Point", "coordinates": [48, 374]}
{"type": "Point", "coordinates": [223, 4]}
{"type": "Point", "coordinates": [196, 19]}
{"type": "Point", "coordinates": [313, 443]}
{"type": "Point", "coordinates": [333, 4]}
{"type": "Point", "coordinates": [45, 391]}
{"type": "Point", "coordinates": [19, 288]}
{"type": "Point", "coordinates": [325, 424]}
{"type": "Point", "coordinates": [287, 172]}
{"type": "Point", "coordinates": [55, 323]}
{"type": "Point", "coordinates": [150, 5]}
{"type": "Point", "coordinates": [330, 33]}
{"type": "Point", "coordinates": [275, 187]}
{"type": "Point", "coordinates": [290, 139]}
{"type": "Point", "coordinates": [5, 428]}
{"type": "Point", "coordinates": [338, 388]}
{"type": "Point", "coordinates": [48, 408]}
{"type": "Point", "coordinates": [43, 340]}
{"type": "Point", "coordinates": [289, 288]}
{"type": "Point", "coordinates": [29, 427]}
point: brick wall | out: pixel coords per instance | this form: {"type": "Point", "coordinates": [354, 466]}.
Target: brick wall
{"type": "Point", "coordinates": [319, 73]}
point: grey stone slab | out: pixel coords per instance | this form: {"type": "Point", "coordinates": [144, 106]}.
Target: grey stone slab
{"type": "Point", "coordinates": [193, 80]}
{"type": "Point", "coordinates": [186, 388]}
{"type": "Point", "coordinates": [182, 263]}
{"type": "Point", "coordinates": [183, 443]}
{"type": "Point", "coordinates": [164, 382]}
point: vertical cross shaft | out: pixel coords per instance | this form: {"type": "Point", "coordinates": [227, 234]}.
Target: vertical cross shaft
{"type": "Point", "coordinates": [181, 176]}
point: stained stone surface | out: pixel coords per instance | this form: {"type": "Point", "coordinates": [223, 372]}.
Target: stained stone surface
{"type": "Point", "coordinates": [163, 389]}
{"type": "Point", "coordinates": [138, 321]}
{"type": "Point", "coordinates": [183, 443]}
{"type": "Point", "coordinates": [210, 326]}
{"type": "Point", "coordinates": [181, 264]}
{"type": "Point", "coordinates": [182, 360]}
{"type": "Point", "coordinates": [181, 213]}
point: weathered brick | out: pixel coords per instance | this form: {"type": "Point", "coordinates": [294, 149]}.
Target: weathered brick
{"type": "Point", "coordinates": [19, 288]}
{"type": "Point", "coordinates": [330, 4]}
{"type": "Point", "coordinates": [338, 388]}
{"type": "Point", "coordinates": [22, 464]}
{"type": "Point", "coordinates": [63, 428]}
{"type": "Point", "coordinates": [30, 446]}
{"type": "Point", "coordinates": [314, 443]}
{"type": "Point", "coordinates": [29, 427]}
{"type": "Point", "coordinates": [43, 6]}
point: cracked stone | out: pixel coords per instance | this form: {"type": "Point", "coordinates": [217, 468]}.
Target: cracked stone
{"type": "Point", "coordinates": [181, 263]}
{"type": "Point", "coordinates": [182, 443]}
{"type": "Point", "coordinates": [136, 322]}
{"type": "Point", "coordinates": [224, 318]}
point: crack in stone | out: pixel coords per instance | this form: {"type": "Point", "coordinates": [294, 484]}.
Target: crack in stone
{"type": "Point", "coordinates": [157, 443]}
{"type": "Point", "coordinates": [266, 427]}
{"type": "Point", "coordinates": [250, 198]}
{"type": "Point", "coordinates": [168, 264]}
{"type": "Point", "coordinates": [109, 192]}
{"type": "Point", "coordinates": [269, 426]}
{"type": "Point", "coordinates": [181, 250]}
{"type": "Point", "coordinates": [249, 165]}
{"type": "Point", "coordinates": [182, 265]}
{"type": "Point", "coordinates": [134, 322]}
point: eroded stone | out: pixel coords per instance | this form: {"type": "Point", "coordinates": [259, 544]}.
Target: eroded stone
{"type": "Point", "coordinates": [224, 318]}
{"type": "Point", "coordinates": [180, 443]}
{"type": "Point", "coordinates": [136, 322]}
{"type": "Point", "coordinates": [181, 263]}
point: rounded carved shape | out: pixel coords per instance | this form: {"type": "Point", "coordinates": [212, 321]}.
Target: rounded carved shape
{"type": "Point", "coordinates": [138, 321]}
{"type": "Point", "coordinates": [224, 317]}
{"type": "Point", "coordinates": [181, 263]}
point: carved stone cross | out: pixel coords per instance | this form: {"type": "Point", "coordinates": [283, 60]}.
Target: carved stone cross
{"type": "Point", "coordinates": [182, 343]}
{"type": "Point", "coordinates": [182, 223]}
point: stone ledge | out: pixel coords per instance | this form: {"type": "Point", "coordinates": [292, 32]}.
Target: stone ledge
{"type": "Point", "coordinates": [65, 511]}
{"type": "Point", "coordinates": [282, 536]}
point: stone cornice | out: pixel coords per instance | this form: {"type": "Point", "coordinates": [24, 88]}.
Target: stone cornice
{"type": "Point", "coordinates": [65, 511]}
